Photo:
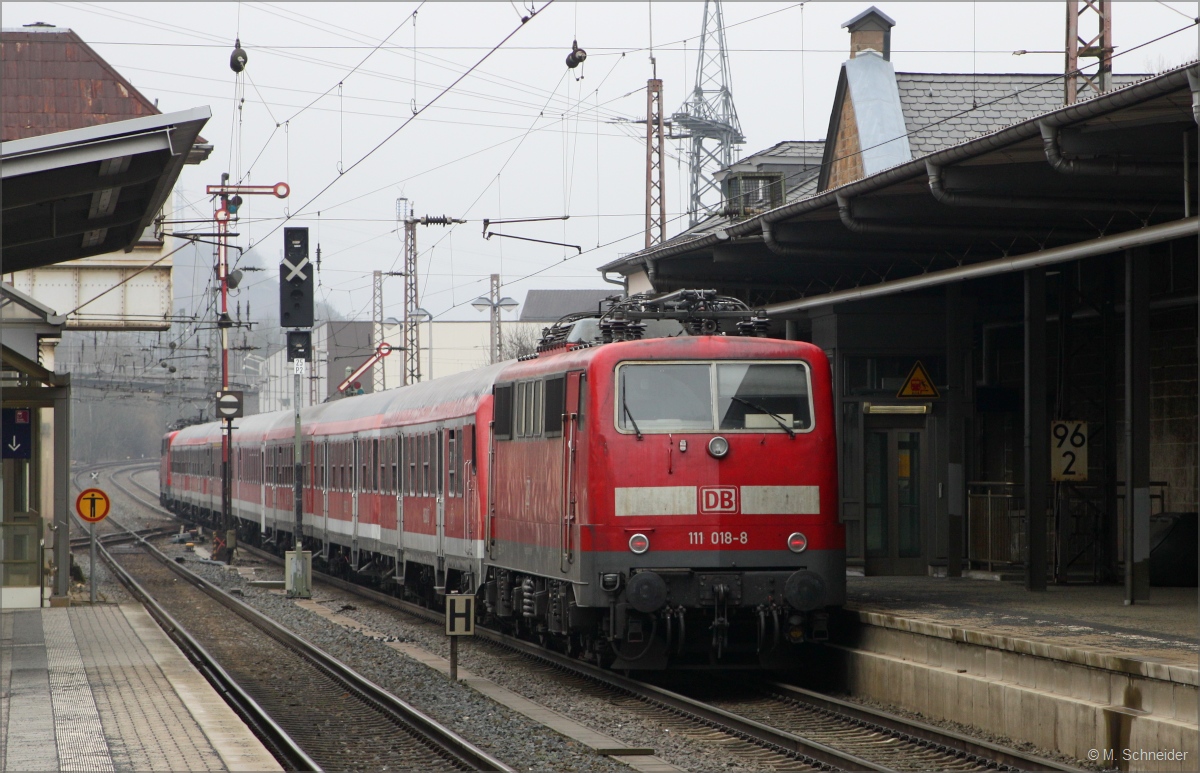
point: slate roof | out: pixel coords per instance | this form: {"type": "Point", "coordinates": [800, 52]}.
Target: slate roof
{"type": "Point", "coordinates": [53, 81]}
{"type": "Point", "coordinates": [553, 305]}
{"type": "Point", "coordinates": [788, 149]}
{"type": "Point", "coordinates": [932, 102]}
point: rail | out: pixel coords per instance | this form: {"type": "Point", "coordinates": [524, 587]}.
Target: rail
{"type": "Point", "coordinates": [449, 743]}
{"type": "Point", "coordinates": [286, 750]}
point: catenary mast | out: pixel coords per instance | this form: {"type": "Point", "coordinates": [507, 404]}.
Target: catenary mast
{"type": "Point", "coordinates": [709, 118]}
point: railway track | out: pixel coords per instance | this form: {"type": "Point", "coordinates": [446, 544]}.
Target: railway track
{"type": "Point", "coordinates": [276, 678]}
{"type": "Point", "coordinates": [770, 724]}
{"type": "Point", "coordinates": [359, 725]}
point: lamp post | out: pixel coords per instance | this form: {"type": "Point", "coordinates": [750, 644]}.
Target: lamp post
{"type": "Point", "coordinates": [494, 303]}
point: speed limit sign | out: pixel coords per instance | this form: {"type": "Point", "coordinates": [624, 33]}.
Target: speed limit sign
{"type": "Point", "coordinates": [1068, 451]}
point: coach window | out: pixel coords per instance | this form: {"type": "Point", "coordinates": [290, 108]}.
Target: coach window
{"type": "Point", "coordinates": [394, 461]}
{"type": "Point", "coordinates": [521, 396]}
{"type": "Point", "coordinates": [502, 400]}
{"type": "Point", "coordinates": [539, 406]}
{"type": "Point", "coordinates": [555, 401]}
{"type": "Point", "coordinates": [374, 464]}
{"type": "Point", "coordinates": [439, 458]}
{"type": "Point", "coordinates": [426, 459]}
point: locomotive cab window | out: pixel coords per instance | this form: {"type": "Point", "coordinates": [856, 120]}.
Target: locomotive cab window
{"type": "Point", "coordinates": [763, 396]}
{"type": "Point", "coordinates": [665, 398]}
{"type": "Point", "coordinates": [727, 396]}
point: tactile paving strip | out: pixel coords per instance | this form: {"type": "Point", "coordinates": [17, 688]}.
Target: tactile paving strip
{"type": "Point", "coordinates": [147, 726]}
{"type": "Point", "coordinates": [80, 736]}
{"type": "Point", "coordinates": [28, 728]}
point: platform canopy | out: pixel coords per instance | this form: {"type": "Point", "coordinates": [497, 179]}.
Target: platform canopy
{"type": "Point", "coordinates": [90, 191]}
{"type": "Point", "coordinates": [1098, 176]}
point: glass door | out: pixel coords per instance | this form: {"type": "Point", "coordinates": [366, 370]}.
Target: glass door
{"type": "Point", "coordinates": [894, 483]}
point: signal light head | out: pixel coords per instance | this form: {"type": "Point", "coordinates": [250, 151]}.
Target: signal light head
{"type": "Point", "coordinates": [797, 542]}
{"type": "Point", "coordinates": [639, 543]}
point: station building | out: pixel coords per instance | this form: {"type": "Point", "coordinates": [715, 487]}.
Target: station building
{"type": "Point", "coordinates": [1006, 287]}
{"type": "Point", "coordinates": [88, 165]}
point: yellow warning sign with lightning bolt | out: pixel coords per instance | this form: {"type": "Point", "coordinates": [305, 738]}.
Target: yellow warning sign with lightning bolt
{"type": "Point", "coordinates": [918, 383]}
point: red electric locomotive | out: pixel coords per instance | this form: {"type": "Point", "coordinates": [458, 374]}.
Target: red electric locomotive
{"type": "Point", "coordinates": [644, 503]}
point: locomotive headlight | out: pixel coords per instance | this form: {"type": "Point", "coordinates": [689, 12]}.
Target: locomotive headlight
{"type": "Point", "coordinates": [718, 447]}
{"type": "Point", "coordinates": [797, 542]}
{"type": "Point", "coordinates": [639, 543]}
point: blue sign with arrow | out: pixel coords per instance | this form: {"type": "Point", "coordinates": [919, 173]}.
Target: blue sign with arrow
{"type": "Point", "coordinates": [17, 438]}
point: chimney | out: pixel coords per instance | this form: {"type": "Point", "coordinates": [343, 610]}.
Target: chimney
{"type": "Point", "coordinates": [871, 29]}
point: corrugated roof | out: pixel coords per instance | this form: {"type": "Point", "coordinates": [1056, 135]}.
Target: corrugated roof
{"type": "Point", "coordinates": [553, 305]}
{"type": "Point", "coordinates": [53, 81]}
{"type": "Point", "coordinates": [938, 106]}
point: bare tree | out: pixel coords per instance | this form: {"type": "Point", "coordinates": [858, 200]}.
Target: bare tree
{"type": "Point", "coordinates": [518, 341]}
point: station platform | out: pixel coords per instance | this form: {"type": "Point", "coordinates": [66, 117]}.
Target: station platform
{"type": "Point", "coordinates": [102, 688]}
{"type": "Point", "coordinates": [1071, 670]}
{"type": "Point", "coordinates": [1163, 629]}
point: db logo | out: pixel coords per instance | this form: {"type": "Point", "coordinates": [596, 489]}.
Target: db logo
{"type": "Point", "coordinates": [718, 499]}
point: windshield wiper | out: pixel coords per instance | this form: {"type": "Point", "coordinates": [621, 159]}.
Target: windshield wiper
{"type": "Point", "coordinates": [625, 408]}
{"type": "Point", "coordinates": [778, 419]}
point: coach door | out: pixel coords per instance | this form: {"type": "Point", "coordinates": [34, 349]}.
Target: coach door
{"type": "Point", "coordinates": [440, 476]}
{"type": "Point", "coordinates": [357, 480]}
{"type": "Point", "coordinates": [563, 401]}
{"type": "Point", "coordinates": [262, 488]}
{"type": "Point", "coordinates": [323, 464]}
{"type": "Point", "coordinates": [399, 481]}
{"type": "Point", "coordinates": [895, 495]}
{"type": "Point", "coordinates": [466, 486]}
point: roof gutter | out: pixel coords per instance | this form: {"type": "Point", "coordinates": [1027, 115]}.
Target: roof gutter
{"type": "Point", "coordinates": [943, 195]}
{"type": "Point", "coordinates": [1109, 166]}
{"type": "Point", "coordinates": [1154, 234]}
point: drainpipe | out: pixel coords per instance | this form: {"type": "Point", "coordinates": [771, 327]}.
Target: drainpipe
{"type": "Point", "coordinates": [1193, 76]}
{"type": "Point", "coordinates": [776, 247]}
{"type": "Point", "coordinates": [604, 276]}
{"type": "Point", "coordinates": [937, 186]}
{"type": "Point", "coordinates": [819, 253]}
{"type": "Point", "coordinates": [1109, 165]}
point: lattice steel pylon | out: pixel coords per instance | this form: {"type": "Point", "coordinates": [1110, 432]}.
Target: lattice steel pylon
{"type": "Point", "coordinates": [656, 216]}
{"type": "Point", "coordinates": [1077, 84]}
{"type": "Point", "coordinates": [379, 375]}
{"type": "Point", "coordinates": [709, 118]}
{"type": "Point", "coordinates": [377, 319]}
{"type": "Point", "coordinates": [412, 325]}
{"type": "Point", "coordinates": [412, 304]}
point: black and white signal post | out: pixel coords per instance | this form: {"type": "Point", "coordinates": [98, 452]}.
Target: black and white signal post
{"type": "Point", "coordinates": [296, 311]}
{"type": "Point", "coordinates": [228, 200]}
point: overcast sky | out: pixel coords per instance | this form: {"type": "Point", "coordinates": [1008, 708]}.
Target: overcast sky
{"type": "Point", "coordinates": [327, 101]}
